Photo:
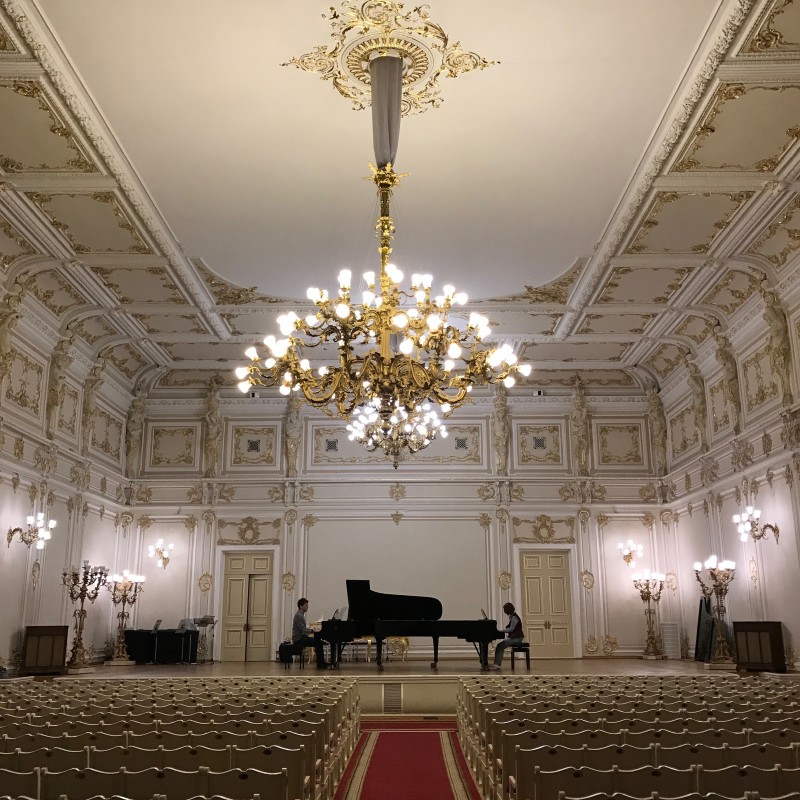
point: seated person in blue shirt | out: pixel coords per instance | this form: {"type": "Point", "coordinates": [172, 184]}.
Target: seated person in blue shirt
{"type": "Point", "coordinates": [514, 635]}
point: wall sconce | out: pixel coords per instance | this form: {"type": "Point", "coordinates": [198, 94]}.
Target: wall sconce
{"type": "Point", "coordinates": [160, 551]}
{"type": "Point", "coordinates": [630, 552]}
{"type": "Point", "coordinates": [747, 525]}
{"type": "Point", "coordinates": [36, 531]}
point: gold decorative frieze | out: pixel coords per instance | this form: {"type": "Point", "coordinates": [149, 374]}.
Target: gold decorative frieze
{"type": "Point", "coordinates": [41, 139]}
{"type": "Point", "coordinates": [686, 222]}
{"type": "Point", "coordinates": [540, 444]}
{"type": "Point", "coordinates": [92, 223]}
{"type": "Point", "coordinates": [682, 431]}
{"type": "Point", "coordinates": [107, 434]}
{"type": "Point", "coordinates": [173, 446]}
{"type": "Point", "coordinates": [698, 329]}
{"type": "Point", "coordinates": [544, 530]}
{"type": "Point", "coordinates": [616, 323]}
{"type": "Point", "coordinates": [253, 446]}
{"type": "Point", "coordinates": [665, 360]}
{"type": "Point", "coordinates": [643, 284]}
{"type": "Point", "coordinates": [620, 444]}
{"type": "Point", "coordinates": [759, 387]}
{"type": "Point", "coordinates": [92, 329]}
{"type": "Point", "coordinates": [24, 383]}
{"type": "Point", "coordinates": [127, 360]}
{"type": "Point", "coordinates": [745, 128]}
{"type": "Point", "coordinates": [780, 31]}
{"type": "Point", "coordinates": [196, 378]}
{"type": "Point", "coordinates": [360, 31]}
{"type": "Point", "coordinates": [543, 378]}
{"type": "Point", "coordinates": [155, 324]}
{"type": "Point", "coordinates": [52, 290]}
{"type": "Point", "coordinates": [68, 410]}
{"type": "Point", "coordinates": [582, 491]}
{"type": "Point", "coordinates": [731, 291]}
{"type": "Point", "coordinates": [248, 531]}
{"type": "Point", "coordinates": [719, 407]}
{"type": "Point", "coordinates": [222, 352]}
{"type": "Point", "coordinates": [137, 285]}
{"type": "Point", "coordinates": [782, 237]}
{"type": "Point", "coordinates": [12, 244]}
{"type": "Point", "coordinates": [227, 294]}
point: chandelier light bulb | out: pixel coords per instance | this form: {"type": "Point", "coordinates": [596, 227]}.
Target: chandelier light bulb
{"type": "Point", "coordinates": [30, 520]}
{"type": "Point", "coordinates": [697, 566]}
{"type": "Point", "coordinates": [344, 279]}
{"type": "Point", "coordinates": [454, 350]}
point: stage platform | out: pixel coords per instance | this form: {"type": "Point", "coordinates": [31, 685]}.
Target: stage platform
{"type": "Point", "coordinates": [408, 687]}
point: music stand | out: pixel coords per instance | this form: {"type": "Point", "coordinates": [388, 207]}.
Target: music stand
{"type": "Point", "coordinates": [206, 625]}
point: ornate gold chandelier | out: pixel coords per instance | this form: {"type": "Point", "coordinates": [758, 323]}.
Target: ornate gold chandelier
{"type": "Point", "coordinates": [406, 357]}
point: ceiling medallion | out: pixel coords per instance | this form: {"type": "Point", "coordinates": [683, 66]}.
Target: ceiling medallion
{"type": "Point", "coordinates": [361, 33]}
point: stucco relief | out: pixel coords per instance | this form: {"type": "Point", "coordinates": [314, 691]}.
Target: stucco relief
{"type": "Point", "coordinates": [173, 447]}
{"type": "Point", "coordinates": [540, 444]}
{"type": "Point", "coordinates": [253, 446]}
{"type": "Point", "coordinates": [248, 531]}
{"type": "Point", "coordinates": [682, 430]}
{"type": "Point", "coordinates": [732, 291]}
{"type": "Point", "coordinates": [24, 385]}
{"type": "Point", "coordinates": [782, 237]}
{"type": "Point", "coordinates": [68, 411]}
{"type": "Point", "coordinates": [759, 386]}
{"type": "Point", "coordinates": [719, 407]}
{"type": "Point", "coordinates": [620, 444]}
{"type": "Point", "coordinates": [544, 530]}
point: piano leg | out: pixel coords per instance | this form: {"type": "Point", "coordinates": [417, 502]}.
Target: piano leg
{"type": "Point", "coordinates": [435, 664]}
{"type": "Point", "coordinates": [484, 655]}
{"type": "Point", "coordinates": [379, 653]}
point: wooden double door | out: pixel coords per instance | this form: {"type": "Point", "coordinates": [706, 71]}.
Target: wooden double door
{"type": "Point", "coordinates": [546, 602]}
{"type": "Point", "coordinates": [247, 607]}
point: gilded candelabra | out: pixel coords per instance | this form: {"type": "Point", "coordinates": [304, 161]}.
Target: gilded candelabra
{"type": "Point", "coordinates": [125, 590]}
{"type": "Point", "coordinates": [161, 552]}
{"type": "Point", "coordinates": [747, 525]}
{"type": "Point", "coordinates": [721, 574]}
{"type": "Point", "coordinates": [37, 531]}
{"type": "Point", "coordinates": [650, 585]}
{"type": "Point", "coordinates": [82, 584]}
{"type": "Point", "coordinates": [630, 552]}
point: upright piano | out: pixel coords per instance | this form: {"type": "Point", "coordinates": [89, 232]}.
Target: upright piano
{"type": "Point", "coordinates": [382, 615]}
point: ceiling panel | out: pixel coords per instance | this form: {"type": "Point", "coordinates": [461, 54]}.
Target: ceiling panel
{"type": "Point", "coordinates": [780, 32]}
{"type": "Point", "coordinates": [53, 290]}
{"type": "Point", "coordinates": [12, 243]}
{"type": "Point", "coordinates": [731, 291]}
{"type": "Point", "coordinates": [137, 285]}
{"type": "Point", "coordinates": [615, 323]}
{"type": "Point", "coordinates": [171, 323]}
{"type": "Point", "coordinates": [698, 329]}
{"type": "Point", "coordinates": [643, 284]}
{"type": "Point", "coordinates": [574, 351]}
{"type": "Point", "coordinates": [600, 378]}
{"type": "Point", "coordinates": [782, 238]}
{"type": "Point", "coordinates": [665, 360]}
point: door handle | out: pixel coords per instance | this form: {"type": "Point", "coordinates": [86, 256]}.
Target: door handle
{"type": "Point", "coordinates": [246, 627]}
{"type": "Point", "coordinates": [547, 625]}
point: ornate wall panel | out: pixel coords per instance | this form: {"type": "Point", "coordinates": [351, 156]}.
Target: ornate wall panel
{"type": "Point", "coordinates": [107, 434]}
{"type": "Point", "coordinates": [127, 360]}
{"type": "Point", "coordinates": [68, 411]}
{"type": "Point", "coordinates": [40, 139]}
{"type": "Point", "coordinates": [781, 238]}
{"type": "Point", "coordinates": [686, 222]}
{"type": "Point", "coordinates": [780, 31]}
{"type": "Point", "coordinates": [642, 284]}
{"type": "Point", "coordinates": [759, 388]}
{"type": "Point", "coordinates": [746, 128]}
{"type": "Point", "coordinates": [541, 445]}
{"type": "Point", "coordinates": [619, 444]}
{"type": "Point", "coordinates": [682, 433]}
{"type": "Point", "coordinates": [332, 448]}
{"type": "Point", "coordinates": [253, 446]}
{"type": "Point", "coordinates": [92, 329]}
{"type": "Point", "coordinates": [720, 418]}
{"type": "Point", "coordinates": [698, 329]}
{"type": "Point", "coordinates": [12, 243]}
{"type": "Point", "coordinates": [57, 294]}
{"type": "Point", "coordinates": [92, 223]}
{"type": "Point", "coordinates": [174, 446]}
{"type": "Point", "coordinates": [731, 291]}
{"type": "Point", "coordinates": [665, 360]}
{"type": "Point", "coordinates": [24, 384]}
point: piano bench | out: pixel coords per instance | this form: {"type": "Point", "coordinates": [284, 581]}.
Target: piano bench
{"type": "Point", "coordinates": [295, 650]}
{"type": "Point", "coordinates": [522, 647]}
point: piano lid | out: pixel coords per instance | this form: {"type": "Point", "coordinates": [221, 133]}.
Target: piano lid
{"type": "Point", "coordinates": [366, 604]}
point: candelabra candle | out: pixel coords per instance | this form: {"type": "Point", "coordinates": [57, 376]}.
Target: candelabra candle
{"type": "Point", "coordinates": [125, 590]}
{"type": "Point", "coordinates": [82, 584]}
{"type": "Point", "coordinates": [721, 575]}
{"type": "Point", "coordinates": [650, 585]}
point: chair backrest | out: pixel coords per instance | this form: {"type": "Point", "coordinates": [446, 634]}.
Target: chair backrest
{"type": "Point", "coordinates": [274, 759]}
{"type": "Point", "coordinates": [239, 783]}
{"type": "Point", "coordinates": [767, 782]}
{"type": "Point", "coordinates": [765, 755]}
{"type": "Point", "coordinates": [20, 784]}
{"type": "Point", "coordinates": [80, 783]}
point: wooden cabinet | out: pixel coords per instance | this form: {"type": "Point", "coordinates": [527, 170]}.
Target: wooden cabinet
{"type": "Point", "coordinates": [759, 646]}
{"type": "Point", "coordinates": [45, 650]}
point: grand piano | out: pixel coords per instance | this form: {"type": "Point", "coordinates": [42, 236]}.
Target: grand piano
{"type": "Point", "coordinates": [382, 615]}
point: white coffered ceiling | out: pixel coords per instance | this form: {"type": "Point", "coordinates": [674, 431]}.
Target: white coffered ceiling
{"type": "Point", "coordinates": [622, 160]}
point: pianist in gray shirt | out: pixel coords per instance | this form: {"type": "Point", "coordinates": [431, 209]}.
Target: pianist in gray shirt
{"type": "Point", "coordinates": [304, 636]}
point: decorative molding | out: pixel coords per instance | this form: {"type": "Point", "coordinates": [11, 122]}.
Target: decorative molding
{"type": "Point", "coordinates": [609, 645]}
{"type": "Point", "coordinates": [587, 580]}
{"type": "Point", "coordinates": [248, 531]}
{"type": "Point", "coordinates": [288, 581]}
{"type": "Point", "coordinates": [205, 582]}
{"type": "Point", "coordinates": [504, 581]}
{"type": "Point", "coordinates": [543, 530]}
{"type": "Point", "coordinates": [582, 491]}
{"type": "Point", "coordinates": [397, 492]}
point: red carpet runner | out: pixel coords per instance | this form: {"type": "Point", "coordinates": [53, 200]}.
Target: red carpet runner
{"type": "Point", "coordinates": [407, 761]}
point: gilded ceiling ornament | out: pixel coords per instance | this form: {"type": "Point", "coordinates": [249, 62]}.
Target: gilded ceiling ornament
{"type": "Point", "coordinates": [501, 514]}
{"type": "Point", "coordinates": [205, 582]}
{"type": "Point", "coordinates": [101, 512]}
{"type": "Point", "coordinates": [248, 531]}
{"type": "Point", "coordinates": [788, 476]}
{"type": "Point", "coordinates": [103, 484]}
{"type": "Point", "coordinates": [277, 494]}
{"type": "Point", "coordinates": [309, 521]}
{"type": "Point", "coordinates": [648, 493]}
{"type": "Point", "coordinates": [486, 492]}
{"type": "Point", "coordinates": [19, 447]}
{"type": "Point", "coordinates": [780, 230]}
{"type": "Point", "coordinates": [209, 517]}
{"type": "Point", "coordinates": [517, 492]}
{"type": "Point", "coordinates": [504, 580]}
{"type": "Point", "coordinates": [194, 495]}
{"type": "Point", "coordinates": [587, 580]}
{"type": "Point", "coordinates": [306, 493]}
{"type": "Point", "coordinates": [145, 522]}
{"type": "Point", "coordinates": [290, 518]}
{"type": "Point", "coordinates": [603, 520]}
{"type": "Point", "coordinates": [397, 517]}
{"type": "Point", "coordinates": [743, 454]}
{"type": "Point", "coordinates": [769, 36]}
{"type": "Point", "coordinates": [374, 27]}
{"type": "Point", "coordinates": [649, 521]}
{"type": "Point", "coordinates": [485, 521]}
{"type": "Point", "coordinates": [770, 476]}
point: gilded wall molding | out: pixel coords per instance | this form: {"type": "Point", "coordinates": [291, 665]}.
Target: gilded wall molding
{"type": "Point", "coordinates": [248, 531]}
{"type": "Point", "coordinates": [620, 444]}
{"type": "Point", "coordinates": [543, 530]}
